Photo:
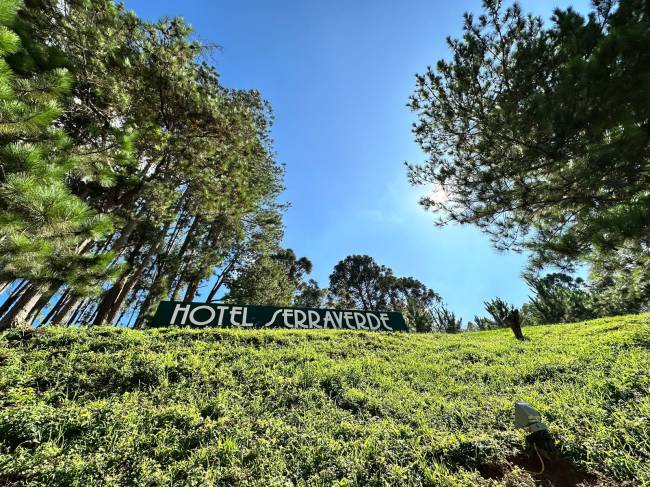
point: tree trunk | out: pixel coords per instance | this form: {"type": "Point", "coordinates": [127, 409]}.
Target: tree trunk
{"type": "Point", "coordinates": [5, 285]}
{"type": "Point", "coordinates": [189, 239]}
{"type": "Point", "coordinates": [126, 289]}
{"type": "Point", "coordinates": [192, 288]}
{"type": "Point", "coordinates": [128, 325]}
{"type": "Point", "coordinates": [40, 303]}
{"type": "Point", "coordinates": [148, 301]}
{"type": "Point", "coordinates": [106, 303]}
{"type": "Point", "coordinates": [23, 316]}
{"type": "Point", "coordinates": [112, 294]}
{"type": "Point", "coordinates": [113, 299]}
{"type": "Point", "coordinates": [153, 251]}
{"type": "Point", "coordinates": [56, 306]}
{"type": "Point", "coordinates": [220, 280]}
{"type": "Point", "coordinates": [514, 321]}
{"type": "Point", "coordinates": [154, 291]}
{"type": "Point", "coordinates": [27, 299]}
{"type": "Point", "coordinates": [85, 245]}
{"type": "Point", "coordinates": [177, 289]}
{"type": "Point", "coordinates": [124, 235]}
{"type": "Point", "coordinates": [73, 312]}
{"type": "Point", "coordinates": [182, 219]}
{"type": "Point", "coordinates": [11, 299]}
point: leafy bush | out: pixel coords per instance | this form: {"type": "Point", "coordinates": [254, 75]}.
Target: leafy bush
{"type": "Point", "coordinates": [480, 323]}
{"type": "Point", "coordinates": [499, 310]}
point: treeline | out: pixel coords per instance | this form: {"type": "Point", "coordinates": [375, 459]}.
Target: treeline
{"type": "Point", "coordinates": [131, 175]}
{"type": "Point", "coordinates": [358, 282]}
{"type": "Point", "coordinates": [128, 172]}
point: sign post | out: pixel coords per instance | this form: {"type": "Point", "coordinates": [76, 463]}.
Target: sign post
{"type": "Point", "coordinates": [170, 313]}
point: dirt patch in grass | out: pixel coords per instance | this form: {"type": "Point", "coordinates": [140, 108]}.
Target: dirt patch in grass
{"type": "Point", "coordinates": [558, 472]}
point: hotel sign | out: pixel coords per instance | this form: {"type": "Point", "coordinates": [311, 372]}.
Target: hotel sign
{"type": "Point", "coordinates": [170, 313]}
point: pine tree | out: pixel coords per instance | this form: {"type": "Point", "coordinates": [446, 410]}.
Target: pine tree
{"type": "Point", "coordinates": [198, 196]}
{"type": "Point", "coordinates": [269, 280]}
{"type": "Point", "coordinates": [540, 136]}
{"type": "Point", "coordinates": [44, 228]}
{"type": "Point", "coordinates": [359, 282]}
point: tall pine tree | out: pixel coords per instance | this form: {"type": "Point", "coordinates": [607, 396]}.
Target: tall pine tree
{"type": "Point", "coordinates": [196, 202]}
{"type": "Point", "coordinates": [44, 228]}
{"type": "Point", "coordinates": [541, 136]}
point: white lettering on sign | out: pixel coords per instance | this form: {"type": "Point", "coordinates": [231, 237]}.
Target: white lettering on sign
{"type": "Point", "coordinates": [338, 316]}
{"type": "Point", "coordinates": [328, 320]}
{"type": "Point", "coordinates": [243, 320]}
{"type": "Point", "coordinates": [314, 319]}
{"type": "Point", "coordinates": [275, 315]}
{"type": "Point", "coordinates": [196, 322]}
{"type": "Point", "coordinates": [360, 320]}
{"type": "Point", "coordinates": [221, 311]}
{"type": "Point", "coordinates": [286, 314]}
{"type": "Point", "coordinates": [301, 319]}
{"type": "Point", "coordinates": [347, 316]}
{"type": "Point", "coordinates": [377, 323]}
{"type": "Point", "coordinates": [384, 320]}
{"type": "Point", "coordinates": [234, 311]}
{"type": "Point", "coordinates": [238, 316]}
{"type": "Point", "coordinates": [184, 309]}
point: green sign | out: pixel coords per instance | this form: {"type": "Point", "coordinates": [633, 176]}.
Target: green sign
{"type": "Point", "coordinates": [222, 315]}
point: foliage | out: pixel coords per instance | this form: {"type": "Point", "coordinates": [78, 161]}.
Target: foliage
{"type": "Point", "coordinates": [228, 407]}
{"type": "Point", "coordinates": [480, 323]}
{"type": "Point", "coordinates": [445, 320]}
{"type": "Point", "coordinates": [619, 283]}
{"type": "Point", "coordinates": [310, 295]}
{"type": "Point", "coordinates": [182, 165]}
{"type": "Point", "coordinates": [499, 311]}
{"type": "Point", "coordinates": [620, 279]}
{"type": "Point", "coordinates": [269, 280]}
{"type": "Point", "coordinates": [557, 298]}
{"type": "Point", "coordinates": [44, 228]}
{"type": "Point", "coordinates": [540, 135]}
{"type": "Point", "coordinates": [358, 282]}
{"type": "Point", "coordinates": [416, 302]}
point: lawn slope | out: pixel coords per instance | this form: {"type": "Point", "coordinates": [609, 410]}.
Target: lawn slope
{"type": "Point", "coordinates": [106, 406]}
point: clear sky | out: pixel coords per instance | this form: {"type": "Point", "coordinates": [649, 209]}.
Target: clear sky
{"type": "Point", "coordinates": [338, 74]}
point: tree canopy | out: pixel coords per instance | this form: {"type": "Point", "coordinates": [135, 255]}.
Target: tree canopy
{"type": "Point", "coordinates": [129, 174]}
{"type": "Point", "coordinates": [136, 174]}
{"type": "Point", "coordinates": [541, 135]}
{"type": "Point", "coordinates": [359, 282]}
{"type": "Point", "coordinates": [270, 280]}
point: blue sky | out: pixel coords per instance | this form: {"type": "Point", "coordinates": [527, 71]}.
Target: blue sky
{"type": "Point", "coordinates": [338, 74]}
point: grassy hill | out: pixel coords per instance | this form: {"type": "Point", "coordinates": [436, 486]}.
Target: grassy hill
{"type": "Point", "coordinates": [109, 406]}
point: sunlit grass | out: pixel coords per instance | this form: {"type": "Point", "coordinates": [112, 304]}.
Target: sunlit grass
{"type": "Point", "coordinates": [207, 407]}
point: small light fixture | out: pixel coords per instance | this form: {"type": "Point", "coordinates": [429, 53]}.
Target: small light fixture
{"type": "Point", "coordinates": [539, 438]}
{"type": "Point", "coordinates": [528, 418]}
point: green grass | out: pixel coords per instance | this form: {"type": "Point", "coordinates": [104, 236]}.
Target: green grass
{"type": "Point", "coordinates": [106, 406]}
